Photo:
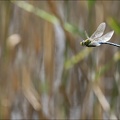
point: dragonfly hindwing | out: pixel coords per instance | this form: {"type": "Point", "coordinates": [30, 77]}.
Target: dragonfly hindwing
{"type": "Point", "coordinates": [106, 37]}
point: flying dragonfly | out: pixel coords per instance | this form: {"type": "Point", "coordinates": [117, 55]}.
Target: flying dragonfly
{"type": "Point", "coordinates": [97, 38]}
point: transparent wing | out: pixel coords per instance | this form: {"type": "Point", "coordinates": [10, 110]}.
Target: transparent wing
{"type": "Point", "coordinates": [86, 34]}
{"type": "Point", "coordinates": [99, 32]}
{"type": "Point", "coordinates": [105, 37]}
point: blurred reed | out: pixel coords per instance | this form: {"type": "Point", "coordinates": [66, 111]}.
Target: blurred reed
{"type": "Point", "coordinates": [45, 73]}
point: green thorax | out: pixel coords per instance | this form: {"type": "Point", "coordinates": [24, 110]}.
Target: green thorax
{"type": "Point", "coordinates": [87, 42]}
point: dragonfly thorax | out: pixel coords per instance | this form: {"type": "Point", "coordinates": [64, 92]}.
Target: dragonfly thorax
{"type": "Point", "coordinates": [86, 42]}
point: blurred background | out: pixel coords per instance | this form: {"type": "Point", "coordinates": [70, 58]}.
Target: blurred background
{"type": "Point", "coordinates": [45, 73]}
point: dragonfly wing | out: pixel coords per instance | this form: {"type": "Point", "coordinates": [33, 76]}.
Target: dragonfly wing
{"type": "Point", "coordinates": [86, 34]}
{"type": "Point", "coordinates": [99, 32]}
{"type": "Point", "coordinates": [105, 37]}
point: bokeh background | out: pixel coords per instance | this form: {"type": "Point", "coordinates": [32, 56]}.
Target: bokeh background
{"type": "Point", "coordinates": [45, 73]}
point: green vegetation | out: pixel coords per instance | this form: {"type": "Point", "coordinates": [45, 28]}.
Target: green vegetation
{"type": "Point", "coordinates": [45, 73]}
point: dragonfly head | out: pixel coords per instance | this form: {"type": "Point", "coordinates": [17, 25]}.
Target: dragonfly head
{"type": "Point", "coordinates": [85, 42]}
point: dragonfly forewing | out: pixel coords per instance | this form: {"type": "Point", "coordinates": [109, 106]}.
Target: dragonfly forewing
{"type": "Point", "coordinates": [99, 32]}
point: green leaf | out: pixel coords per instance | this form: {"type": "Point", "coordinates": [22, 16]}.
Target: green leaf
{"type": "Point", "coordinates": [77, 58]}
{"type": "Point", "coordinates": [91, 3]}
{"type": "Point", "coordinates": [73, 29]}
{"type": "Point", "coordinates": [40, 13]}
{"type": "Point", "coordinates": [114, 24]}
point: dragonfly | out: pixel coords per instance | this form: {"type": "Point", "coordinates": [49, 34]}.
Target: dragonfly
{"type": "Point", "coordinates": [97, 38]}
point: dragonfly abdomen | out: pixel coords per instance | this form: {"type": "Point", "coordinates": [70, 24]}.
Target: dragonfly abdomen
{"type": "Point", "coordinates": [110, 43]}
